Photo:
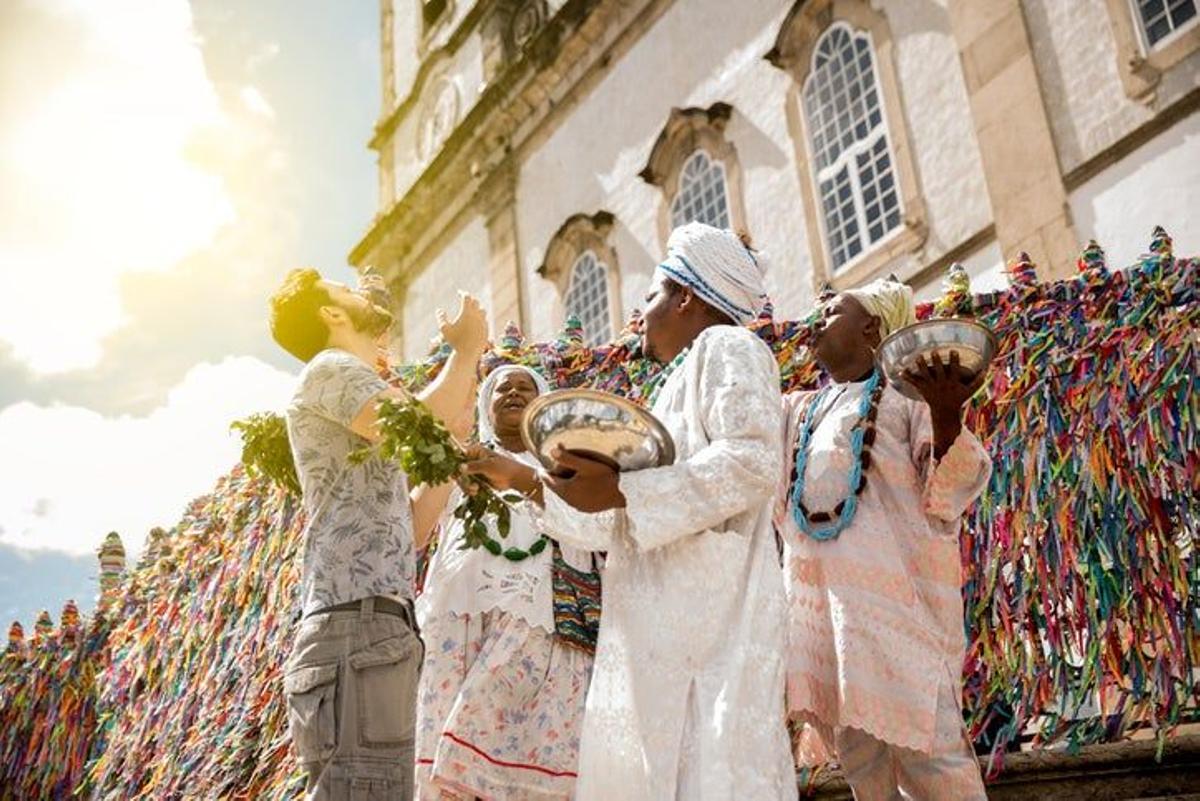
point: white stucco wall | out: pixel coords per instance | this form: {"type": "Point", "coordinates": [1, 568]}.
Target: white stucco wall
{"type": "Point", "coordinates": [1076, 55]}
{"type": "Point", "coordinates": [462, 264]}
{"type": "Point", "coordinates": [941, 130]}
{"type": "Point", "coordinates": [406, 33]}
{"type": "Point", "coordinates": [698, 53]}
{"type": "Point", "coordinates": [1158, 184]}
{"type": "Point", "coordinates": [465, 69]}
{"type": "Point", "coordinates": [985, 266]}
{"type": "Point", "coordinates": [591, 161]}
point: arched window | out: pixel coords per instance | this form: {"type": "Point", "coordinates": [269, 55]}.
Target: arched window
{"type": "Point", "coordinates": [587, 298]}
{"type": "Point", "coordinates": [702, 195]}
{"type": "Point", "coordinates": [697, 169]}
{"type": "Point", "coordinates": [852, 159]}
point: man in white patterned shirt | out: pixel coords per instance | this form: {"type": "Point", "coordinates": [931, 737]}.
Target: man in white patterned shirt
{"type": "Point", "coordinates": [350, 682]}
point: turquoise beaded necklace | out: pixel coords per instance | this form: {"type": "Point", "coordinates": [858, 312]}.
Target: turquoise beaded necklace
{"type": "Point", "coordinates": [827, 525]}
{"type": "Point", "coordinates": [660, 380]}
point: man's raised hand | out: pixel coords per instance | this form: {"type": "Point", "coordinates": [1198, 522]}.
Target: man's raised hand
{"type": "Point", "coordinates": [467, 332]}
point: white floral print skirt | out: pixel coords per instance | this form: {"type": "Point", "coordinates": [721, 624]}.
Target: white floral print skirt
{"type": "Point", "coordinates": [499, 710]}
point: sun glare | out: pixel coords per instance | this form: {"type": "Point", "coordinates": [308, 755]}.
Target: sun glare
{"type": "Point", "coordinates": [98, 157]}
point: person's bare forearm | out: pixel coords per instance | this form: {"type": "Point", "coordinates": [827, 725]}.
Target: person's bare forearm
{"type": "Point", "coordinates": [428, 503]}
{"type": "Point", "coordinates": [454, 388]}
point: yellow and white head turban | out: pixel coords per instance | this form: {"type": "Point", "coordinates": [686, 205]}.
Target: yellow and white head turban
{"type": "Point", "coordinates": [722, 271]}
{"type": "Point", "coordinates": [890, 301]}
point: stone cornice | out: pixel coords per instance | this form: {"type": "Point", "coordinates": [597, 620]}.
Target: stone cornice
{"type": "Point", "coordinates": [517, 102]}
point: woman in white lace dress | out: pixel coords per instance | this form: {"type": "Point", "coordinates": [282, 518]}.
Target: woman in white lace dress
{"type": "Point", "coordinates": [501, 698]}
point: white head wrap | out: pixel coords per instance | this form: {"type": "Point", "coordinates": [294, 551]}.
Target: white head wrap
{"type": "Point", "coordinates": [715, 265]}
{"type": "Point", "coordinates": [483, 405]}
{"type": "Point", "coordinates": [890, 301]}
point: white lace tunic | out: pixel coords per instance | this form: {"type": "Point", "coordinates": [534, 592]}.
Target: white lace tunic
{"type": "Point", "coordinates": [474, 581]}
{"type": "Point", "coordinates": [876, 632]}
{"type": "Point", "coordinates": [687, 691]}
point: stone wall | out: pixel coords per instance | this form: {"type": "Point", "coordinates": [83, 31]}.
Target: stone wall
{"type": "Point", "coordinates": [1020, 126]}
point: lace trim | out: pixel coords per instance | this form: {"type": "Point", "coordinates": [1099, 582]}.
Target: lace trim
{"type": "Point", "coordinates": [883, 719]}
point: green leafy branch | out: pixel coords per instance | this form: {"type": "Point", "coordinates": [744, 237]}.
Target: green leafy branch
{"type": "Point", "coordinates": [423, 447]}
{"type": "Point", "coordinates": [266, 450]}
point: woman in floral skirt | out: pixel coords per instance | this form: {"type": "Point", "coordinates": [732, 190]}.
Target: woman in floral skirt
{"type": "Point", "coordinates": [501, 695]}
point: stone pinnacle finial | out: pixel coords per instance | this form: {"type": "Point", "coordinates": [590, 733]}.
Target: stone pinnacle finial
{"type": "Point", "coordinates": [1160, 242]}
{"type": "Point", "coordinates": [1091, 257]}
{"type": "Point", "coordinates": [16, 639]}
{"type": "Point", "coordinates": [69, 619]}
{"type": "Point", "coordinates": [513, 339]}
{"type": "Point", "coordinates": [1022, 271]}
{"type": "Point", "coordinates": [572, 333]}
{"type": "Point", "coordinates": [43, 628]}
{"type": "Point", "coordinates": [956, 298]}
{"type": "Point", "coordinates": [112, 563]}
{"type": "Point", "coordinates": [68, 622]}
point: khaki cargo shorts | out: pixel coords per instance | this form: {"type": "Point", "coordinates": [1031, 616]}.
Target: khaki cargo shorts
{"type": "Point", "coordinates": [351, 690]}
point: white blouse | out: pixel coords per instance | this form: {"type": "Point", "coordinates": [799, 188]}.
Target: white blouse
{"type": "Point", "coordinates": [473, 581]}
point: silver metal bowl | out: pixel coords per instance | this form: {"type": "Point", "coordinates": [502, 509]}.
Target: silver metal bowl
{"type": "Point", "coordinates": [598, 425]}
{"type": "Point", "coordinates": [973, 342]}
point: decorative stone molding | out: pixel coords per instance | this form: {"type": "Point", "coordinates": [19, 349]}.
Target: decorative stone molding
{"type": "Point", "coordinates": [686, 131]}
{"type": "Point", "coordinates": [576, 46]}
{"type": "Point", "coordinates": [432, 54]}
{"type": "Point", "coordinates": [793, 52]}
{"type": "Point", "coordinates": [579, 234]}
{"type": "Point", "coordinates": [528, 18]}
{"type": "Point", "coordinates": [509, 26]}
{"type": "Point", "coordinates": [1140, 66]}
{"type": "Point", "coordinates": [439, 116]}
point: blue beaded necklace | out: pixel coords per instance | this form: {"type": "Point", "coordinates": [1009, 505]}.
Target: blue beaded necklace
{"type": "Point", "coordinates": [825, 525]}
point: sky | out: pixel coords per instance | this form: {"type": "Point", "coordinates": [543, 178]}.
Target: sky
{"type": "Point", "coordinates": [163, 164]}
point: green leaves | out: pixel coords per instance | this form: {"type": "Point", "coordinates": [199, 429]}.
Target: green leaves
{"type": "Point", "coordinates": [266, 451]}
{"type": "Point", "coordinates": [423, 447]}
{"type": "Point", "coordinates": [416, 439]}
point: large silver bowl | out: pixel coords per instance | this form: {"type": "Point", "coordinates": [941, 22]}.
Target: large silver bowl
{"type": "Point", "coordinates": [972, 341]}
{"type": "Point", "coordinates": [598, 425]}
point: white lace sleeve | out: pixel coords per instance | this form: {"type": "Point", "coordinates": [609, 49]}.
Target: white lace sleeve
{"type": "Point", "coordinates": [738, 406]}
{"type": "Point", "coordinates": [952, 483]}
{"type": "Point", "coordinates": [590, 532]}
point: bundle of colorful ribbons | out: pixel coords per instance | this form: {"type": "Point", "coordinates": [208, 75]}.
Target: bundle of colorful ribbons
{"type": "Point", "coordinates": [1081, 576]}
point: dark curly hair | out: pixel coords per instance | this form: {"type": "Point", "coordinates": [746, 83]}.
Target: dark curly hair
{"type": "Point", "coordinates": [295, 320]}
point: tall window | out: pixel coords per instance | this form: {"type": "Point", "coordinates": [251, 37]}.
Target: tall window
{"type": "Point", "coordinates": [587, 298]}
{"type": "Point", "coordinates": [702, 194]}
{"type": "Point", "coordinates": [859, 200]}
{"type": "Point", "coordinates": [1161, 18]}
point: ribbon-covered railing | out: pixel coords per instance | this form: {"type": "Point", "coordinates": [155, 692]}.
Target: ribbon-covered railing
{"type": "Point", "coordinates": [1080, 572]}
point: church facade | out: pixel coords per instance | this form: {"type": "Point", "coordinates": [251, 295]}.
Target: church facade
{"type": "Point", "coordinates": [538, 152]}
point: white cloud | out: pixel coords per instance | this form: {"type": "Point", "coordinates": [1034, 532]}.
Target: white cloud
{"type": "Point", "coordinates": [266, 53]}
{"type": "Point", "coordinates": [69, 474]}
{"type": "Point", "coordinates": [104, 169]}
{"type": "Point", "coordinates": [255, 103]}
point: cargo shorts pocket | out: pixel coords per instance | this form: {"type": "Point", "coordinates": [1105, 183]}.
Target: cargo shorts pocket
{"type": "Point", "coordinates": [385, 679]}
{"type": "Point", "coordinates": [311, 694]}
